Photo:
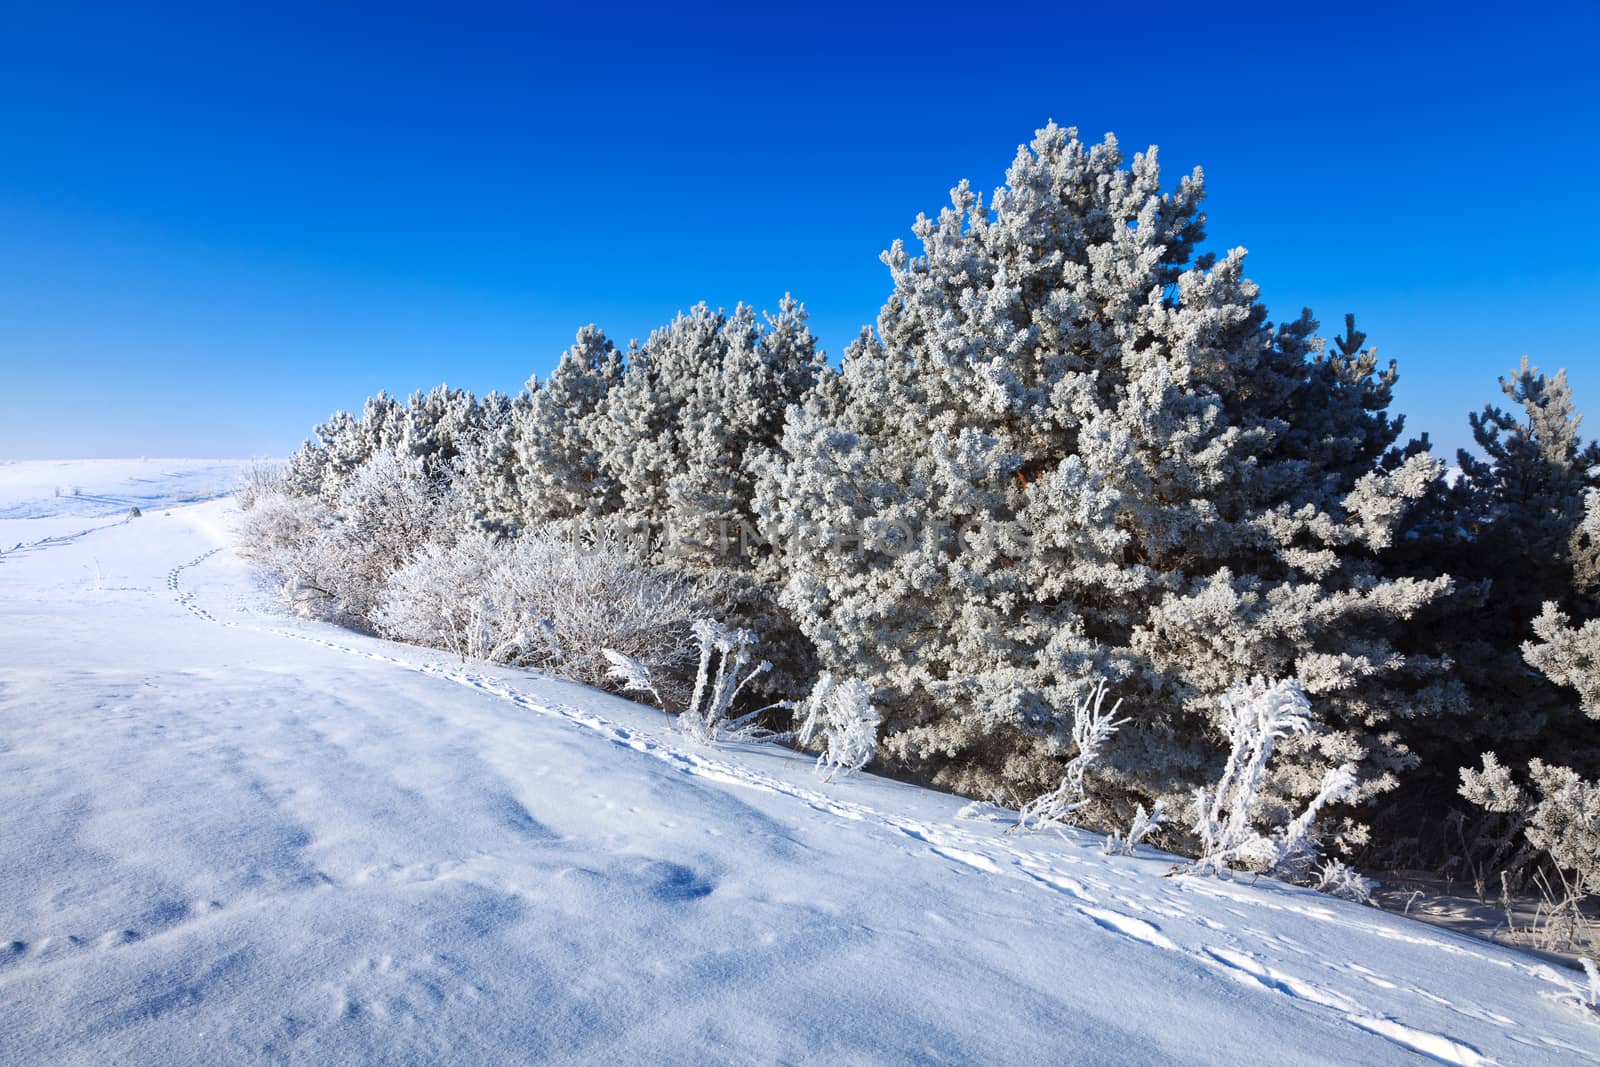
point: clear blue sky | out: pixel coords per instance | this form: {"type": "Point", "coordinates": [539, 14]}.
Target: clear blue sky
{"type": "Point", "coordinates": [216, 227]}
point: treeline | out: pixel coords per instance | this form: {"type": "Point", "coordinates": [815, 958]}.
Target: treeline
{"type": "Point", "coordinates": [1073, 450]}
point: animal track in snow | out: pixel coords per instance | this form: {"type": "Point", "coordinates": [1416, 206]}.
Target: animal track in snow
{"type": "Point", "coordinates": [186, 600]}
{"type": "Point", "coordinates": [1252, 971]}
{"type": "Point", "coordinates": [968, 859]}
{"type": "Point", "coordinates": [1128, 926]}
{"type": "Point", "coordinates": [23, 548]}
{"type": "Point", "coordinates": [1444, 1049]}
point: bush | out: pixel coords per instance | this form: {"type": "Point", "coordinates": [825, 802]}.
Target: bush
{"type": "Point", "coordinates": [546, 599]}
{"type": "Point", "coordinates": [1562, 820]}
{"type": "Point", "coordinates": [707, 713]}
{"type": "Point", "coordinates": [335, 561]}
{"type": "Point", "coordinates": [259, 479]}
{"type": "Point", "coordinates": [1260, 714]}
{"type": "Point", "coordinates": [838, 718]}
{"type": "Point", "coordinates": [1144, 824]}
{"type": "Point", "coordinates": [288, 536]}
{"type": "Point", "coordinates": [1092, 727]}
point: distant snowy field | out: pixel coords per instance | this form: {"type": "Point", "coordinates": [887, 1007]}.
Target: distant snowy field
{"type": "Point", "coordinates": [49, 498]}
{"type": "Point", "coordinates": [229, 836]}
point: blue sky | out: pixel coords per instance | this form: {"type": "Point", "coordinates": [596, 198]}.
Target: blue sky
{"type": "Point", "coordinates": [217, 227]}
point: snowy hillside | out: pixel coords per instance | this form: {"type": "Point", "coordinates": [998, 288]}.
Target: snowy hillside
{"type": "Point", "coordinates": [230, 836]}
{"type": "Point", "coordinates": [90, 487]}
{"type": "Point", "coordinates": [42, 500]}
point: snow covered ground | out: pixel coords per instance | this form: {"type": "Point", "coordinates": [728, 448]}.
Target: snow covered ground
{"type": "Point", "coordinates": [228, 836]}
{"type": "Point", "coordinates": [42, 501]}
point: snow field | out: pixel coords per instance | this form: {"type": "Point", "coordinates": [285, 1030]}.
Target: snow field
{"type": "Point", "coordinates": [233, 836]}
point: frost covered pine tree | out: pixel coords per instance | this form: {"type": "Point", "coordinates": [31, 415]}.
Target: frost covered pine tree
{"type": "Point", "coordinates": [435, 428]}
{"type": "Point", "coordinates": [337, 447]}
{"type": "Point", "coordinates": [1519, 513]}
{"type": "Point", "coordinates": [701, 399]}
{"type": "Point", "coordinates": [1075, 449]}
{"type": "Point", "coordinates": [559, 474]}
{"type": "Point", "coordinates": [640, 431]}
{"type": "Point", "coordinates": [700, 407]}
{"type": "Point", "coordinates": [438, 426]}
{"type": "Point", "coordinates": [1536, 506]}
{"type": "Point", "coordinates": [1566, 653]}
{"type": "Point", "coordinates": [1529, 490]}
{"type": "Point", "coordinates": [487, 468]}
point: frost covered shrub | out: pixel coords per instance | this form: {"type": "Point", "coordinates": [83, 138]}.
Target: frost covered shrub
{"type": "Point", "coordinates": [1074, 447]}
{"type": "Point", "coordinates": [334, 561]}
{"type": "Point", "coordinates": [453, 597]}
{"type": "Point", "coordinates": [711, 704]}
{"type": "Point", "coordinates": [1092, 727]}
{"type": "Point", "coordinates": [1338, 880]}
{"type": "Point", "coordinates": [260, 479]}
{"type": "Point", "coordinates": [1260, 716]}
{"type": "Point", "coordinates": [389, 510]}
{"type": "Point", "coordinates": [707, 713]}
{"type": "Point", "coordinates": [545, 600]}
{"type": "Point", "coordinates": [286, 534]}
{"type": "Point", "coordinates": [838, 718]}
{"type": "Point", "coordinates": [1144, 824]}
{"type": "Point", "coordinates": [657, 443]}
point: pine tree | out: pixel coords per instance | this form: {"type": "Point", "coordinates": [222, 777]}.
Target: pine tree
{"type": "Point", "coordinates": [1527, 496]}
{"type": "Point", "coordinates": [701, 401]}
{"type": "Point", "coordinates": [559, 474]}
{"type": "Point", "coordinates": [1510, 530]}
{"type": "Point", "coordinates": [683, 436]}
{"type": "Point", "coordinates": [488, 469]}
{"type": "Point", "coordinates": [435, 427]}
{"type": "Point", "coordinates": [1075, 449]}
{"type": "Point", "coordinates": [339, 446]}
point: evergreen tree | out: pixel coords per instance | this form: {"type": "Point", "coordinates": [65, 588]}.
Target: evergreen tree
{"type": "Point", "coordinates": [1074, 449]}
{"type": "Point", "coordinates": [559, 474]}
{"type": "Point", "coordinates": [435, 427]}
{"type": "Point", "coordinates": [339, 446]}
{"type": "Point", "coordinates": [1509, 529]}
{"type": "Point", "coordinates": [1527, 496]}
{"type": "Point", "coordinates": [488, 469]}
{"type": "Point", "coordinates": [701, 402]}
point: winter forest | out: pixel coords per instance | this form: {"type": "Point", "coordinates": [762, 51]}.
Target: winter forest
{"type": "Point", "coordinates": [1082, 528]}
